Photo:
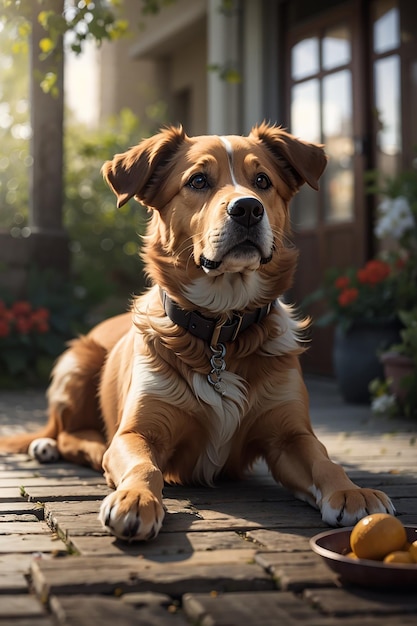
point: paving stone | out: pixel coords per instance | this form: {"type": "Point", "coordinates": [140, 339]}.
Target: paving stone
{"type": "Point", "coordinates": [222, 571]}
{"type": "Point", "coordinates": [24, 527]}
{"type": "Point", "coordinates": [261, 609]}
{"type": "Point", "coordinates": [31, 544]}
{"type": "Point", "coordinates": [358, 602]}
{"type": "Point", "coordinates": [18, 518]}
{"type": "Point", "coordinates": [45, 481]}
{"type": "Point", "coordinates": [64, 492]}
{"type": "Point", "coordinates": [283, 540]}
{"type": "Point", "coordinates": [13, 571]}
{"type": "Point", "coordinates": [10, 495]}
{"type": "Point", "coordinates": [89, 610]}
{"type": "Point", "coordinates": [165, 544]}
{"type": "Point", "coordinates": [74, 518]}
{"type": "Point", "coordinates": [15, 606]}
{"type": "Point", "coordinates": [34, 621]}
{"type": "Point", "coordinates": [147, 599]}
{"type": "Point", "coordinates": [21, 507]}
{"type": "Point", "coordinates": [295, 571]}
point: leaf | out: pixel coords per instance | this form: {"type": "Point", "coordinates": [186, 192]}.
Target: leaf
{"type": "Point", "coordinates": [16, 360]}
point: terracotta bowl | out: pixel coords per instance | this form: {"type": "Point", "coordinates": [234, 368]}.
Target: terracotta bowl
{"type": "Point", "coordinates": [333, 545]}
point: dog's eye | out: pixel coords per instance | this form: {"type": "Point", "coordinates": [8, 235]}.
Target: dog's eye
{"type": "Point", "coordinates": [262, 181]}
{"type": "Point", "coordinates": [198, 181]}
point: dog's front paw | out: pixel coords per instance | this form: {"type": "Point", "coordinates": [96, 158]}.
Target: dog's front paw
{"type": "Point", "coordinates": [346, 507]}
{"type": "Point", "coordinates": [44, 450]}
{"type": "Point", "coordinates": [132, 515]}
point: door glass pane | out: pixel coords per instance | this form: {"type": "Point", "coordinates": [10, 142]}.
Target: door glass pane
{"type": "Point", "coordinates": [387, 103]}
{"type": "Point", "coordinates": [337, 137]}
{"type": "Point", "coordinates": [305, 58]}
{"type": "Point", "coordinates": [386, 26]}
{"type": "Point", "coordinates": [305, 110]}
{"type": "Point", "coordinates": [336, 47]}
{"type": "Point", "coordinates": [305, 123]}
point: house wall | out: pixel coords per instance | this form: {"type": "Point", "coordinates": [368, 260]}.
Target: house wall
{"type": "Point", "coordinates": [125, 81]}
{"type": "Point", "coordinates": [188, 72]}
{"type": "Point", "coordinates": [161, 74]}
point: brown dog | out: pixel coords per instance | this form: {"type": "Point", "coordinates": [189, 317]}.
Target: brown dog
{"type": "Point", "coordinates": [202, 377]}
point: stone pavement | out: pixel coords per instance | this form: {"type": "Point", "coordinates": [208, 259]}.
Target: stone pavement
{"type": "Point", "coordinates": [235, 554]}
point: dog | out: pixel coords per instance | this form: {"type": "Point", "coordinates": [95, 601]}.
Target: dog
{"type": "Point", "coordinates": [202, 377]}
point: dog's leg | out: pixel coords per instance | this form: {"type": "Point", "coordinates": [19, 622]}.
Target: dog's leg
{"type": "Point", "coordinates": [134, 511]}
{"type": "Point", "coordinates": [83, 447]}
{"type": "Point", "coordinates": [300, 462]}
{"type": "Point", "coordinates": [305, 467]}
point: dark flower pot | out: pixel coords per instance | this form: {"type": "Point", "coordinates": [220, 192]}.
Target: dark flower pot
{"type": "Point", "coordinates": [396, 368]}
{"type": "Point", "coordinates": [356, 357]}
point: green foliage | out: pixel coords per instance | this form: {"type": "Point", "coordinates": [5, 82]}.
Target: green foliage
{"type": "Point", "coordinates": [408, 345]}
{"type": "Point", "coordinates": [104, 240]}
{"type": "Point", "coordinates": [14, 129]}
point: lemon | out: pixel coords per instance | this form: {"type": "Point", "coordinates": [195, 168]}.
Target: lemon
{"type": "Point", "coordinates": [399, 556]}
{"type": "Point", "coordinates": [377, 535]}
{"type": "Point", "coordinates": [413, 551]}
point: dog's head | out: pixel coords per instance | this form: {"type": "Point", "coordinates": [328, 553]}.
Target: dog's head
{"type": "Point", "coordinates": [220, 210]}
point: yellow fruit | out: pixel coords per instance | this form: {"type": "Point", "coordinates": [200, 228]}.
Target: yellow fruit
{"type": "Point", "coordinates": [399, 556]}
{"type": "Point", "coordinates": [351, 555]}
{"type": "Point", "coordinates": [413, 551]}
{"type": "Point", "coordinates": [377, 535]}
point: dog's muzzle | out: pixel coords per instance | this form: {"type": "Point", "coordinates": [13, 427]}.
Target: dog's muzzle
{"type": "Point", "coordinates": [246, 213]}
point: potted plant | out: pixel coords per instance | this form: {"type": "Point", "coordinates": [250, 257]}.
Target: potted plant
{"type": "Point", "coordinates": [364, 303]}
{"type": "Point", "coordinates": [398, 390]}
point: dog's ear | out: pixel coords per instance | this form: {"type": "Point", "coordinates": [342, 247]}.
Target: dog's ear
{"type": "Point", "coordinates": [129, 174]}
{"type": "Point", "coordinates": [307, 160]}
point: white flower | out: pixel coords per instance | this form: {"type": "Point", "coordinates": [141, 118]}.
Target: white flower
{"type": "Point", "coordinates": [384, 404]}
{"type": "Point", "coordinates": [395, 218]}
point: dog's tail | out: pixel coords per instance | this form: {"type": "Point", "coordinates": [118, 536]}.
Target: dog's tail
{"type": "Point", "coordinates": [19, 443]}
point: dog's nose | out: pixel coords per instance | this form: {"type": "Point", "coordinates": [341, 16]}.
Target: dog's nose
{"type": "Point", "coordinates": [246, 211]}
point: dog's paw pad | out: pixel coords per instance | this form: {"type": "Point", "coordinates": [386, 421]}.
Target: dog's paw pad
{"type": "Point", "coordinates": [44, 450]}
{"type": "Point", "coordinates": [131, 516]}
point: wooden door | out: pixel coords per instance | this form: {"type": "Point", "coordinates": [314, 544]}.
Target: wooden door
{"type": "Point", "coordinates": [327, 100]}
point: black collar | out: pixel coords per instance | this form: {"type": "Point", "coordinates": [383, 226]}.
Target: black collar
{"type": "Point", "coordinates": [212, 330]}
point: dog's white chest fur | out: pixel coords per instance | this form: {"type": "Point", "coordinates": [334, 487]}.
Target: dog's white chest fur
{"type": "Point", "coordinates": [223, 414]}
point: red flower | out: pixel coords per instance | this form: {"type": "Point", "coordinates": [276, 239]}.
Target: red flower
{"type": "Point", "coordinates": [41, 326]}
{"type": "Point", "coordinates": [41, 314]}
{"type": "Point", "coordinates": [21, 307]}
{"type": "Point", "coordinates": [342, 282]}
{"type": "Point", "coordinates": [39, 320]}
{"type": "Point", "coordinates": [348, 296]}
{"type": "Point", "coordinates": [375, 271]}
{"type": "Point", "coordinates": [23, 325]}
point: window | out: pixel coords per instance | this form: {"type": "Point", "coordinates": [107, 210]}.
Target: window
{"type": "Point", "coordinates": [321, 111]}
{"type": "Point", "coordinates": [387, 85]}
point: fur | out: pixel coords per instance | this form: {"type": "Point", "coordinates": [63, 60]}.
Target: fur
{"type": "Point", "coordinates": [133, 397]}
